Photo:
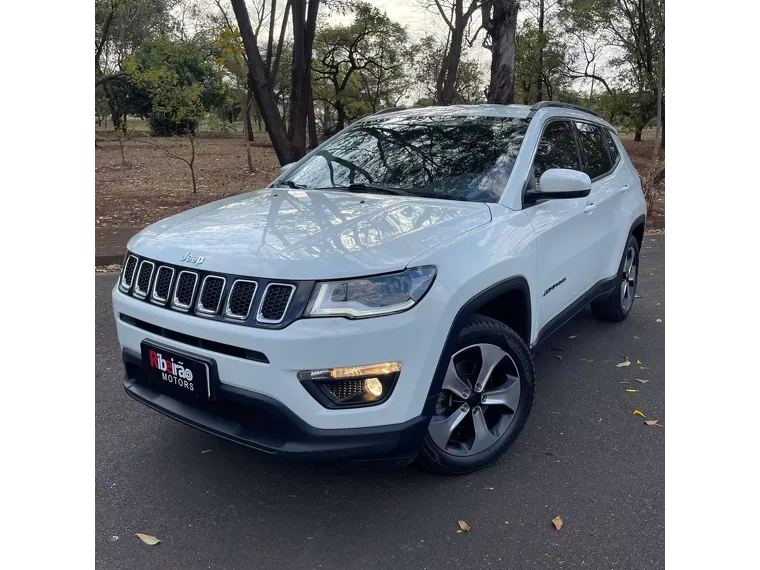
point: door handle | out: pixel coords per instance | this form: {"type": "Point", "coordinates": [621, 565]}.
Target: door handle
{"type": "Point", "coordinates": [625, 188]}
{"type": "Point", "coordinates": [590, 207]}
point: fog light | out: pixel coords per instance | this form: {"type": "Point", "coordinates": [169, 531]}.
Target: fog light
{"type": "Point", "coordinates": [351, 386]}
{"type": "Point", "coordinates": [374, 387]}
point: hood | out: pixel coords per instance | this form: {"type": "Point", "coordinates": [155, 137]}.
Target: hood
{"type": "Point", "coordinates": [308, 234]}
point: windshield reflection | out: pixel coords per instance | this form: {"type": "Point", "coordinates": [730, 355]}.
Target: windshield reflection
{"type": "Point", "coordinates": [437, 156]}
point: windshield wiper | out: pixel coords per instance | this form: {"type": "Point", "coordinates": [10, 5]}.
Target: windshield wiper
{"type": "Point", "coordinates": [361, 187]}
{"type": "Point", "coordinates": [290, 184]}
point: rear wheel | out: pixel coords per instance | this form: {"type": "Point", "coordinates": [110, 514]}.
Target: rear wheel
{"type": "Point", "coordinates": [619, 303]}
{"type": "Point", "coordinates": [484, 402]}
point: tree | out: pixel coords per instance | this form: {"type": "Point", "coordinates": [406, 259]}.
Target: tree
{"type": "Point", "coordinates": [457, 16]}
{"type": "Point", "coordinates": [532, 71]}
{"type": "Point", "coordinates": [360, 65]}
{"type": "Point", "coordinates": [627, 27]}
{"type": "Point", "coordinates": [500, 22]}
{"type": "Point", "coordinates": [182, 81]}
{"type": "Point", "coordinates": [289, 143]}
{"type": "Point", "coordinates": [428, 57]}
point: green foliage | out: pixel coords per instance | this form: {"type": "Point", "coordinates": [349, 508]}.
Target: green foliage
{"type": "Point", "coordinates": [182, 81]}
{"type": "Point", "coordinates": [527, 68]}
{"type": "Point", "coordinates": [360, 67]}
{"type": "Point", "coordinates": [428, 55]}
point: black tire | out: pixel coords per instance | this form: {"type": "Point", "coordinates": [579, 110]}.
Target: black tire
{"type": "Point", "coordinates": [482, 329]}
{"type": "Point", "coordinates": [611, 307]}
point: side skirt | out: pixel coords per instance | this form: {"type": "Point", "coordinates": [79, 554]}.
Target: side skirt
{"type": "Point", "coordinates": [603, 287]}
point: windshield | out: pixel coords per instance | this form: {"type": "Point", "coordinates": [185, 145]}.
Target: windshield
{"type": "Point", "coordinates": [437, 156]}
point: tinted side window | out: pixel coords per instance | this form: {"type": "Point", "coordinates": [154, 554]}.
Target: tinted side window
{"type": "Point", "coordinates": [614, 152]}
{"type": "Point", "coordinates": [557, 149]}
{"type": "Point", "coordinates": [594, 147]}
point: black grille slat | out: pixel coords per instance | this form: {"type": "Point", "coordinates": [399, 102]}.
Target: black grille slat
{"type": "Point", "coordinates": [183, 293]}
{"type": "Point", "coordinates": [163, 284]}
{"type": "Point", "coordinates": [129, 272]}
{"type": "Point", "coordinates": [210, 297]}
{"type": "Point", "coordinates": [275, 303]}
{"type": "Point", "coordinates": [144, 275]}
{"type": "Point", "coordinates": [240, 299]}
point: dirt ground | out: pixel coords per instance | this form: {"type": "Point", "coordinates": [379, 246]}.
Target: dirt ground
{"type": "Point", "coordinates": [151, 186]}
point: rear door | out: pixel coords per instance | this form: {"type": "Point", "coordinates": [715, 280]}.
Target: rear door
{"type": "Point", "coordinates": [604, 205]}
{"type": "Point", "coordinates": [564, 238]}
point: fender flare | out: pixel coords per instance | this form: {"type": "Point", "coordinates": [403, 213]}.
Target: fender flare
{"type": "Point", "coordinates": [464, 314]}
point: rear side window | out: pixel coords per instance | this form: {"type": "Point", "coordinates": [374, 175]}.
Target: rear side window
{"type": "Point", "coordinates": [614, 153]}
{"type": "Point", "coordinates": [557, 149]}
{"type": "Point", "coordinates": [594, 145]}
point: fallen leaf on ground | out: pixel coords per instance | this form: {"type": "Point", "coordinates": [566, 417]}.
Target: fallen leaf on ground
{"type": "Point", "coordinates": [637, 296]}
{"type": "Point", "coordinates": [644, 367]}
{"type": "Point", "coordinates": [642, 380]}
{"type": "Point", "coordinates": [489, 488]}
{"type": "Point", "coordinates": [651, 422]}
{"type": "Point", "coordinates": [458, 531]}
{"type": "Point", "coordinates": [557, 356]}
{"type": "Point", "coordinates": [639, 362]}
{"type": "Point", "coordinates": [624, 364]}
{"type": "Point", "coordinates": [573, 336]}
{"type": "Point", "coordinates": [634, 336]}
{"type": "Point", "coordinates": [558, 349]}
{"type": "Point", "coordinates": [207, 451]}
{"type": "Point", "coordinates": [659, 320]}
{"type": "Point", "coordinates": [147, 538]}
{"type": "Point", "coordinates": [506, 522]}
{"type": "Point", "coordinates": [557, 522]}
{"type": "Point", "coordinates": [629, 390]}
{"type": "Point", "coordinates": [464, 526]}
{"type": "Point", "coordinates": [638, 413]}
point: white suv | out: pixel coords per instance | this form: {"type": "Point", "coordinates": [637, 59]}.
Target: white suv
{"type": "Point", "coordinates": [380, 300]}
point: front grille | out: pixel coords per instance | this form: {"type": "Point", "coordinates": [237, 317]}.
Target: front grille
{"type": "Point", "coordinates": [345, 388]}
{"type": "Point", "coordinates": [240, 299]}
{"type": "Point", "coordinates": [211, 295]}
{"type": "Point", "coordinates": [248, 301]}
{"type": "Point", "coordinates": [183, 293]}
{"type": "Point", "coordinates": [143, 279]}
{"type": "Point", "coordinates": [163, 284]}
{"type": "Point", "coordinates": [276, 300]}
{"type": "Point", "coordinates": [129, 273]}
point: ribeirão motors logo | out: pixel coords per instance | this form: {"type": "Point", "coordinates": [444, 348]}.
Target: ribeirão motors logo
{"type": "Point", "coordinates": [173, 372]}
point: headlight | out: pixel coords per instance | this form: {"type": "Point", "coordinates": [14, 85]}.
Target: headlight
{"type": "Point", "coordinates": [371, 296]}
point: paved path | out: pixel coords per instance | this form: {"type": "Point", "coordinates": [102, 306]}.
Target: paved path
{"type": "Point", "coordinates": [583, 456]}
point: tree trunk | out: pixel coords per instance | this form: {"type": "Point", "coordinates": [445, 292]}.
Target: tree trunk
{"type": "Point", "coordinates": [262, 91]}
{"type": "Point", "coordinates": [502, 28]}
{"type": "Point", "coordinates": [662, 133]}
{"type": "Point", "coordinates": [540, 78]}
{"type": "Point", "coordinates": [247, 115]}
{"type": "Point", "coordinates": [450, 66]}
{"type": "Point", "coordinates": [637, 133]}
{"type": "Point", "coordinates": [191, 163]}
{"type": "Point", "coordinates": [313, 142]}
{"type": "Point", "coordinates": [341, 111]}
{"type": "Point", "coordinates": [248, 135]}
{"type": "Point", "coordinates": [298, 89]}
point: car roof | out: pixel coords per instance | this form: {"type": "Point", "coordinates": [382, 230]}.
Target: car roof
{"type": "Point", "coordinates": [493, 110]}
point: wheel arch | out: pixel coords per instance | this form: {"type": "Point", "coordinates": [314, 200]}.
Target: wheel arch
{"type": "Point", "coordinates": [509, 299]}
{"type": "Point", "coordinates": [637, 229]}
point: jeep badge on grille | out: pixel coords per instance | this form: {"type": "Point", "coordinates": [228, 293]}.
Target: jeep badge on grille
{"type": "Point", "coordinates": [190, 258]}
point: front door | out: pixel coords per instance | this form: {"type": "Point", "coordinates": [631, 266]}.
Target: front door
{"type": "Point", "coordinates": [564, 237]}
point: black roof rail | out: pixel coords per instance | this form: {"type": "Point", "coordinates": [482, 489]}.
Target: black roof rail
{"type": "Point", "coordinates": [388, 110]}
{"type": "Point", "coordinates": [544, 104]}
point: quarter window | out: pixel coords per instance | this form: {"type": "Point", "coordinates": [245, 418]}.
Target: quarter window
{"type": "Point", "coordinates": [614, 152]}
{"type": "Point", "coordinates": [594, 145]}
{"type": "Point", "coordinates": [557, 149]}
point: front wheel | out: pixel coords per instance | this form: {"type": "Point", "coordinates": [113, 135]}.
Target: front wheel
{"type": "Point", "coordinates": [484, 402]}
{"type": "Point", "coordinates": [619, 303]}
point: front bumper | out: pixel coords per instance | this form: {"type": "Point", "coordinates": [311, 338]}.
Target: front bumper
{"type": "Point", "coordinates": [264, 424]}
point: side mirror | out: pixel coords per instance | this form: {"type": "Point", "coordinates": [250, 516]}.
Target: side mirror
{"type": "Point", "coordinates": [558, 183]}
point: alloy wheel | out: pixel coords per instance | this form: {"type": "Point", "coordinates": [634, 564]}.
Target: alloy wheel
{"type": "Point", "coordinates": [630, 273]}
